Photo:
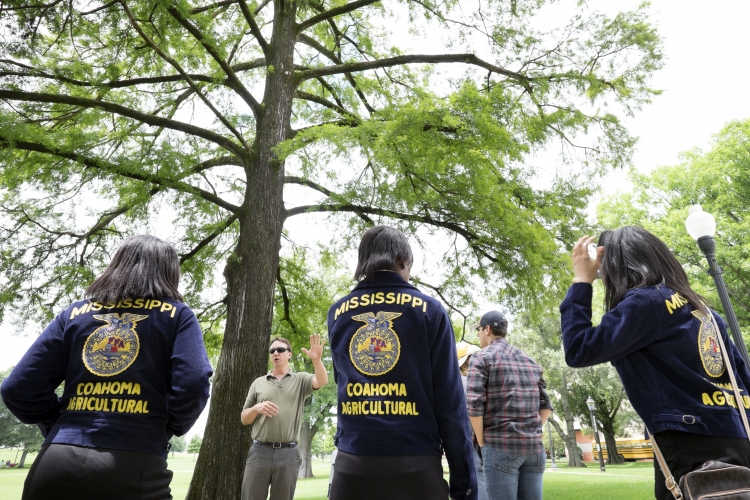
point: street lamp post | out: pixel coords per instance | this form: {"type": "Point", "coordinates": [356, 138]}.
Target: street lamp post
{"type": "Point", "coordinates": [702, 227]}
{"type": "Point", "coordinates": [551, 449]}
{"type": "Point", "coordinates": [590, 403]}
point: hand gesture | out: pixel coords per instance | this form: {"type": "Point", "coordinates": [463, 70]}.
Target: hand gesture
{"type": "Point", "coordinates": [584, 267]}
{"type": "Point", "coordinates": [267, 409]}
{"type": "Point", "coordinates": [316, 348]}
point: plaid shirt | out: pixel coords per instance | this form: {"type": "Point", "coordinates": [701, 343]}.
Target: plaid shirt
{"type": "Point", "coordinates": [506, 387]}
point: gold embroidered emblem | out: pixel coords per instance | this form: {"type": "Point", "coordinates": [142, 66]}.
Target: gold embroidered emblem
{"type": "Point", "coordinates": [709, 347]}
{"type": "Point", "coordinates": [375, 348]}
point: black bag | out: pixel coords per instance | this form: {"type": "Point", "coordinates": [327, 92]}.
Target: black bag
{"type": "Point", "coordinates": [714, 480]}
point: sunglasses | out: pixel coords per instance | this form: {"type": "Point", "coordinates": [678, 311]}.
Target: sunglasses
{"type": "Point", "coordinates": [277, 349]}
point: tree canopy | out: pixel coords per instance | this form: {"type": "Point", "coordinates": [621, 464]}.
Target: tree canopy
{"type": "Point", "coordinates": [213, 123]}
{"type": "Point", "coordinates": [719, 180]}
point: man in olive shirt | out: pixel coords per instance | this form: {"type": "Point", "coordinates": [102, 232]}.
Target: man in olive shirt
{"type": "Point", "coordinates": [274, 407]}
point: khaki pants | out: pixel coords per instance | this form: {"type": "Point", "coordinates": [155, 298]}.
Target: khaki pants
{"type": "Point", "coordinates": [275, 467]}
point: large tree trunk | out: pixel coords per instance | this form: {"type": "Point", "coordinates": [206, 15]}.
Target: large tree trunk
{"type": "Point", "coordinates": [306, 436]}
{"type": "Point", "coordinates": [250, 275]}
{"type": "Point", "coordinates": [23, 459]}
{"type": "Point", "coordinates": [574, 460]}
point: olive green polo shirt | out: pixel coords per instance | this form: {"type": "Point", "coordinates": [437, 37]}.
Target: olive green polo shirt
{"type": "Point", "coordinates": [289, 395]}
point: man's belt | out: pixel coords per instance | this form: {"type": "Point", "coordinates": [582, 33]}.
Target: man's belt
{"type": "Point", "coordinates": [288, 444]}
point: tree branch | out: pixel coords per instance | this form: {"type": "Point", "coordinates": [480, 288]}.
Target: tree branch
{"type": "Point", "coordinates": [290, 179]}
{"type": "Point", "coordinates": [145, 118]}
{"type": "Point", "coordinates": [118, 109]}
{"type": "Point", "coordinates": [234, 82]}
{"type": "Point", "coordinates": [216, 5]}
{"type": "Point", "coordinates": [114, 84]}
{"type": "Point", "coordinates": [471, 238]}
{"type": "Point", "coordinates": [208, 239]}
{"type": "Point", "coordinates": [311, 42]}
{"type": "Point", "coordinates": [254, 29]}
{"type": "Point", "coordinates": [325, 102]}
{"type": "Point", "coordinates": [343, 9]}
{"type": "Point", "coordinates": [470, 59]}
{"type": "Point", "coordinates": [285, 298]}
{"type": "Point", "coordinates": [6, 142]}
{"type": "Point", "coordinates": [187, 78]}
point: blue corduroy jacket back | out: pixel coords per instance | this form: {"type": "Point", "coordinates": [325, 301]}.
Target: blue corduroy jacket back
{"type": "Point", "coordinates": [399, 385]}
{"type": "Point", "coordinates": [136, 373]}
{"type": "Point", "coordinates": [668, 358]}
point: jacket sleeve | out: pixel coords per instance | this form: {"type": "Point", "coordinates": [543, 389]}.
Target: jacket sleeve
{"type": "Point", "coordinates": [450, 411]}
{"type": "Point", "coordinates": [29, 391]}
{"type": "Point", "coordinates": [190, 372]}
{"type": "Point", "coordinates": [630, 326]}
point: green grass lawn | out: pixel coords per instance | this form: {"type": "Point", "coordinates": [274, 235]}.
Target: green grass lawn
{"type": "Point", "coordinates": [631, 481]}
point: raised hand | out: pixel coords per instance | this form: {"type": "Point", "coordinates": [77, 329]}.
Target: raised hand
{"type": "Point", "coordinates": [316, 347]}
{"type": "Point", "coordinates": [584, 267]}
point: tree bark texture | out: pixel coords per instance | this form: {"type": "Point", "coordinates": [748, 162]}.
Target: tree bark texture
{"type": "Point", "coordinates": [250, 275]}
{"type": "Point", "coordinates": [574, 460]}
{"type": "Point", "coordinates": [23, 459]}
{"type": "Point", "coordinates": [306, 436]}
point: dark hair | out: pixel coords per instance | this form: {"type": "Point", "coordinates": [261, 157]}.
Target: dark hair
{"type": "Point", "coordinates": [500, 331]}
{"type": "Point", "coordinates": [143, 267]}
{"type": "Point", "coordinates": [382, 248]}
{"type": "Point", "coordinates": [283, 341]}
{"type": "Point", "coordinates": [633, 258]}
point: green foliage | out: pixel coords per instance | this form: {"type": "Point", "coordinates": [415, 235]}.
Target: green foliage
{"type": "Point", "coordinates": [178, 444]}
{"type": "Point", "coordinates": [718, 179]}
{"type": "Point", "coordinates": [12, 432]}
{"type": "Point", "coordinates": [194, 446]}
{"type": "Point", "coordinates": [323, 441]}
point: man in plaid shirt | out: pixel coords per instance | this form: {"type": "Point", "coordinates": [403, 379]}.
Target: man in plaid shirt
{"type": "Point", "coordinates": [508, 406]}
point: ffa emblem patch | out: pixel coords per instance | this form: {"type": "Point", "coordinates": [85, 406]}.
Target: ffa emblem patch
{"type": "Point", "coordinates": [112, 348]}
{"type": "Point", "coordinates": [375, 348]}
{"type": "Point", "coordinates": [708, 346]}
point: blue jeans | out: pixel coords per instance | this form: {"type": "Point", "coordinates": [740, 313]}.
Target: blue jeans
{"type": "Point", "coordinates": [513, 477]}
{"type": "Point", "coordinates": [480, 476]}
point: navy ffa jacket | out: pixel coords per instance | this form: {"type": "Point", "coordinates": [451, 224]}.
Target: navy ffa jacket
{"type": "Point", "coordinates": [399, 386]}
{"type": "Point", "coordinates": [667, 355]}
{"type": "Point", "coordinates": [136, 373]}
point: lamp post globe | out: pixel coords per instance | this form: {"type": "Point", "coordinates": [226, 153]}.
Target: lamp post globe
{"type": "Point", "coordinates": [591, 403]}
{"type": "Point", "coordinates": [701, 226]}
{"type": "Point", "coordinates": [699, 223]}
{"type": "Point", "coordinates": [592, 406]}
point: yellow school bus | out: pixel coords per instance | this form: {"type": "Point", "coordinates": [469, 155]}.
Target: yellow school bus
{"type": "Point", "coordinates": [630, 449]}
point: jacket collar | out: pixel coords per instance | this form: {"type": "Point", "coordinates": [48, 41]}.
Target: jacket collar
{"type": "Point", "coordinates": [384, 279]}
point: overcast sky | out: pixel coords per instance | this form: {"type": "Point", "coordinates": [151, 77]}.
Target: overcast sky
{"type": "Point", "coordinates": [704, 83]}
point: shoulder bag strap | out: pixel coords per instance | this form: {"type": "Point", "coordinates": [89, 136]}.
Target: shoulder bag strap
{"type": "Point", "coordinates": [671, 483]}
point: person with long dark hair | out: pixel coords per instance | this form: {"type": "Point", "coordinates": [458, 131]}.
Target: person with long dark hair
{"type": "Point", "coordinates": [658, 333]}
{"type": "Point", "coordinates": [136, 373]}
{"type": "Point", "coordinates": [400, 398]}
